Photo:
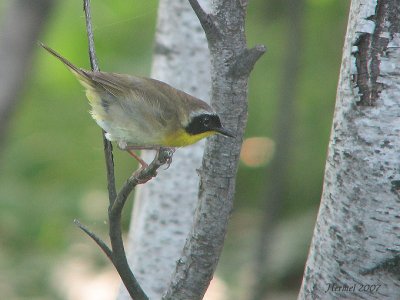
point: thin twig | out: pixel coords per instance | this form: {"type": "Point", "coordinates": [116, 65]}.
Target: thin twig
{"type": "Point", "coordinates": [112, 192]}
{"type": "Point", "coordinates": [163, 156]}
{"type": "Point", "coordinates": [109, 159]}
{"type": "Point", "coordinates": [117, 201]}
{"type": "Point", "coordinates": [89, 30]}
{"type": "Point", "coordinates": [95, 238]}
{"type": "Point", "coordinates": [114, 215]}
{"type": "Point", "coordinates": [117, 254]}
{"type": "Point", "coordinates": [120, 261]}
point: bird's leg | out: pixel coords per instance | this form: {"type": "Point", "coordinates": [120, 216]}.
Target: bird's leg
{"type": "Point", "coordinates": [143, 164]}
{"type": "Point", "coordinates": [138, 158]}
{"type": "Point", "coordinates": [130, 149]}
{"type": "Point", "coordinates": [142, 167]}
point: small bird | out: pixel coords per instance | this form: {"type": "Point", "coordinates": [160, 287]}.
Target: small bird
{"type": "Point", "coordinates": [143, 113]}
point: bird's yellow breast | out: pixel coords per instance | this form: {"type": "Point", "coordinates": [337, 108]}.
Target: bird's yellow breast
{"type": "Point", "coordinates": [181, 138]}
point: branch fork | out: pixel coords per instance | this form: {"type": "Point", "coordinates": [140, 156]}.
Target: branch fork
{"type": "Point", "coordinates": [116, 253]}
{"type": "Point", "coordinates": [244, 63]}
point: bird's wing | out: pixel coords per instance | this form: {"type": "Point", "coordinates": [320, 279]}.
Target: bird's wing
{"type": "Point", "coordinates": [138, 97]}
{"type": "Point", "coordinates": [109, 82]}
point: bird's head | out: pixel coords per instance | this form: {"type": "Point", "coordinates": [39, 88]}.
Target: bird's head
{"type": "Point", "coordinates": [206, 123]}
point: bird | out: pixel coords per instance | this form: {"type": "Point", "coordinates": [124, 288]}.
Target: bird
{"type": "Point", "coordinates": [141, 113]}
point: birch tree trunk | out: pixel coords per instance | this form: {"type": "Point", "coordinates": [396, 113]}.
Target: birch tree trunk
{"type": "Point", "coordinates": [355, 252]}
{"type": "Point", "coordinates": [164, 207]}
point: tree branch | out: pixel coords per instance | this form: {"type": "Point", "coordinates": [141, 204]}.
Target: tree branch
{"type": "Point", "coordinates": [117, 254]}
{"type": "Point", "coordinates": [245, 62]}
{"type": "Point", "coordinates": [164, 156]}
{"type": "Point", "coordinates": [206, 20]}
{"type": "Point", "coordinates": [95, 238]}
{"type": "Point", "coordinates": [89, 30]}
{"type": "Point", "coordinates": [108, 156]}
{"type": "Point", "coordinates": [204, 244]}
{"type": "Point", "coordinates": [173, 194]}
{"type": "Point", "coordinates": [112, 193]}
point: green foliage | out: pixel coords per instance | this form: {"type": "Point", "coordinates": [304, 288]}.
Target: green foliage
{"type": "Point", "coordinates": [52, 167]}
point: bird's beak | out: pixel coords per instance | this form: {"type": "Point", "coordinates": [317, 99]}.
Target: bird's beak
{"type": "Point", "coordinates": [225, 132]}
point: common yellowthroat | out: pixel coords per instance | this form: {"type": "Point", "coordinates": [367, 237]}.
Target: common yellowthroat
{"type": "Point", "coordinates": [144, 113]}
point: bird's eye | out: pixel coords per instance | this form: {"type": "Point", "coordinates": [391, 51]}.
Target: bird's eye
{"type": "Point", "coordinates": [206, 121]}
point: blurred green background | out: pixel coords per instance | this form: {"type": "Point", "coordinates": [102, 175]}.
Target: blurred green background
{"type": "Point", "coordinates": [52, 168]}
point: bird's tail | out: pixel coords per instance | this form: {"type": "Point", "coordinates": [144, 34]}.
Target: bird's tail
{"type": "Point", "coordinates": [82, 75]}
{"type": "Point", "coordinates": [86, 79]}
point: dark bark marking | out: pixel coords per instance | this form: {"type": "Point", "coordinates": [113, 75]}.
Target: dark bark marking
{"type": "Point", "coordinates": [395, 186]}
{"type": "Point", "coordinates": [390, 265]}
{"type": "Point", "coordinates": [359, 228]}
{"type": "Point", "coordinates": [370, 49]}
{"type": "Point", "coordinates": [160, 49]}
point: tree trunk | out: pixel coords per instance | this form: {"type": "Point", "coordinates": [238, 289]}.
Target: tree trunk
{"type": "Point", "coordinates": [355, 252]}
{"type": "Point", "coordinates": [21, 25]}
{"type": "Point", "coordinates": [231, 64]}
{"type": "Point", "coordinates": [164, 207]}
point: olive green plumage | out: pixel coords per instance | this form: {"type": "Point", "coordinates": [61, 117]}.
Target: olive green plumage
{"type": "Point", "coordinates": [139, 112]}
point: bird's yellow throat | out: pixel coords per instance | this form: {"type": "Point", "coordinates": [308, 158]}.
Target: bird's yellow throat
{"type": "Point", "coordinates": [181, 138]}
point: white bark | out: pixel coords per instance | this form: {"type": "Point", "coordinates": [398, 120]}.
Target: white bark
{"type": "Point", "coordinates": [355, 252]}
{"type": "Point", "coordinates": [163, 209]}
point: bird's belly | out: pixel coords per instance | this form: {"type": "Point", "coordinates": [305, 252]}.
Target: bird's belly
{"type": "Point", "coordinates": [130, 135]}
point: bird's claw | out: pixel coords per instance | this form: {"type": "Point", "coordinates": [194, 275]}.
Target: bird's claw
{"type": "Point", "coordinates": [168, 162]}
